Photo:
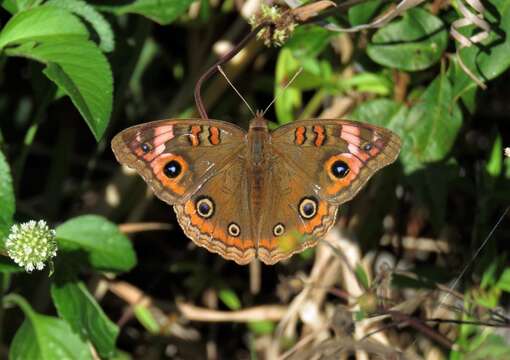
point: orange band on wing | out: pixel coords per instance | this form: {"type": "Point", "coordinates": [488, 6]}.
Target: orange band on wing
{"type": "Point", "coordinates": [320, 135]}
{"type": "Point", "coordinates": [214, 137]}
{"type": "Point", "coordinates": [195, 132]}
{"type": "Point", "coordinates": [300, 135]}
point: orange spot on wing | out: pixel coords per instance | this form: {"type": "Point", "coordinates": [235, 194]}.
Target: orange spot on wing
{"type": "Point", "coordinates": [300, 135]}
{"type": "Point", "coordinates": [214, 137]}
{"type": "Point", "coordinates": [195, 132]}
{"type": "Point", "coordinates": [320, 135]}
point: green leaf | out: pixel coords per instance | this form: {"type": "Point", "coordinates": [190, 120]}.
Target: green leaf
{"type": "Point", "coordinates": [370, 82]}
{"type": "Point", "coordinates": [383, 112]}
{"type": "Point", "coordinates": [416, 42]}
{"type": "Point", "coordinates": [495, 164]}
{"type": "Point", "coordinates": [504, 281]}
{"type": "Point", "coordinates": [230, 299]}
{"type": "Point", "coordinates": [45, 337]}
{"type": "Point", "coordinates": [362, 13]}
{"type": "Point", "coordinates": [362, 277]}
{"type": "Point", "coordinates": [42, 23]}
{"type": "Point", "coordinates": [261, 327]}
{"type": "Point", "coordinates": [89, 13]}
{"type": "Point", "coordinates": [78, 307]}
{"type": "Point", "coordinates": [7, 200]}
{"type": "Point", "coordinates": [308, 41]}
{"type": "Point", "coordinates": [145, 317]}
{"type": "Point", "coordinates": [161, 11]}
{"type": "Point", "coordinates": [14, 6]}
{"type": "Point", "coordinates": [427, 130]}
{"type": "Point", "coordinates": [490, 59]}
{"type": "Point", "coordinates": [82, 71]}
{"type": "Point", "coordinates": [286, 67]}
{"type": "Point", "coordinates": [432, 126]}
{"type": "Point", "coordinates": [107, 248]}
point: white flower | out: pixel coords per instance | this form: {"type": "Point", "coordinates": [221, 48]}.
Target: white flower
{"type": "Point", "coordinates": [31, 244]}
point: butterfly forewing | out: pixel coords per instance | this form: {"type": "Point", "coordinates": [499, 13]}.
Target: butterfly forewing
{"type": "Point", "coordinates": [175, 157]}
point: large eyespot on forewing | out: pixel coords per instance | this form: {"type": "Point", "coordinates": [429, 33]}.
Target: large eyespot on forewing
{"type": "Point", "coordinates": [170, 169]}
{"type": "Point", "coordinates": [341, 169]}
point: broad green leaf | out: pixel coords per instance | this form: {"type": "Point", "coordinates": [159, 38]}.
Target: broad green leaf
{"type": "Point", "coordinates": [230, 299]}
{"type": "Point", "coordinates": [161, 11]}
{"type": "Point", "coordinates": [82, 71]}
{"type": "Point", "coordinates": [7, 200]}
{"type": "Point", "coordinates": [78, 307]}
{"type": "Point", "coordinates": [432, 126]}
{"type": "Point", "coordinates": [308, 41]}
{"type": "Point", "coordinates": [383, 112]}
{"type": "Point", "coordinates": [362, 13]}
{"type": "Point", "coordinates": [415, 42]}
{"type": "Point", "coordinates": [370, 82]}
{"type": "Point", "coordinates": [105, 246]}
{"type": "Point", "coordinates": [490, 59]}
{"type": "Point", "coordinates": [427, 130]}
{"type": "Point", "coordinates": [14, 6]}
{"type": "Point", "coordinates": [89, 13]}
{"type": "Point", "coordinates": [43, 23]}
{"type": "Point", "coordinates": [46, 338]}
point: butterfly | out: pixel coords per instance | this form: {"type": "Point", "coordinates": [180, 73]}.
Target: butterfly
{"type": "Point", "coordinates": [257, 193]}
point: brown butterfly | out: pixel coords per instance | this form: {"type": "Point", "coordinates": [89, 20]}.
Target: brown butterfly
{"type": "Point", "coordinates": [264, 194]}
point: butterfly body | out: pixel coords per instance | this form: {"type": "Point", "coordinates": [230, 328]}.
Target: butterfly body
{"type": "Point", "coordinates": [261, 193]}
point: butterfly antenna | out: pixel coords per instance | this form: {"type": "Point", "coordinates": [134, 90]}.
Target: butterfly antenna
{"type": "Point", "coordinates": [283, 89]}
{"type": "Point", "coordinates": [237, 92]}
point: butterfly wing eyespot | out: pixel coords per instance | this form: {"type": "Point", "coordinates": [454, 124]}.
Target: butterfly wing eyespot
{"type": "Point", "coordinates": [234, 230]}
{"type": "Point", "coordinates": [204, 206]}
{"type": "Point", "coordinates": [170, 170]}
{"type": "Point", "coordinates": [278, 229]}
{"type": "Point", "coordinates": [308, 207]}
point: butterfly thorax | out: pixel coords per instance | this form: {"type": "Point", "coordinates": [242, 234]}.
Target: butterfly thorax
{"type": "Point", "coordinates": [258, 138]}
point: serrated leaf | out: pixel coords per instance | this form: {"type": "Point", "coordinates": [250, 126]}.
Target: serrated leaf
{"type": "Point", "coordinates": [161, 11]}
{"type": "Point", "coordinates": [7, 200]}
{"type": "Point", "coordinates": [230, 299]}
{"type": "Point", "coordinates": [82, 71]}
{"type": "Point", "coordinates": [90, 14]}
{"type": "Point", "coordinates": [77, 306]}
{"type": "Point", "coordinates": [415, 42]}
{"type": "Point", "coordinates": [105, 246]}
{"type": "Point", "coordinates": [42, 23]}
{"type": "Point", "coordinates": [46, 338]}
